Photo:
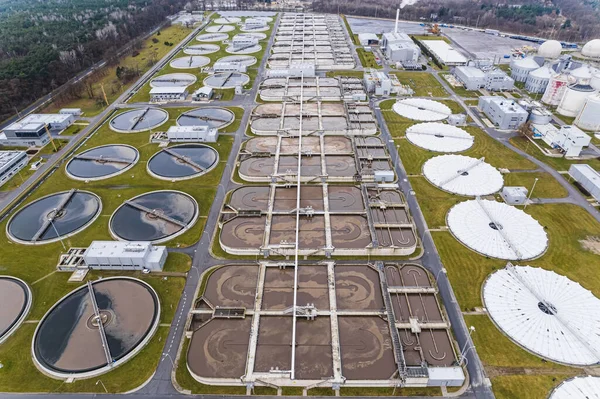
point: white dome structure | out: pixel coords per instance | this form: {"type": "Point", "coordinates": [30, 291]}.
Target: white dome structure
{"type": "Point", "coordinates": [439, 137]}
{"type": "Point", "coordinates": [497, 230]}
{"type": "Point", "coordinates": [587, 387]}
{"type": "Point", "coordinates": [546, 313]}
{"type": "Point", "coordinates": [420, 109]}
{"type": "Point", "coordinates": [583, 74]}
{"type": "Point", "coordinates": [550, 49]}
{"type": "Point", "coordinates": [463, 175]}
{"type": "Point", "coordinates": [591, 49]}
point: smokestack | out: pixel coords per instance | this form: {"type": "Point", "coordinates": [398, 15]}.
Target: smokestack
{"type": "Point", "coordinates": [397, 17]}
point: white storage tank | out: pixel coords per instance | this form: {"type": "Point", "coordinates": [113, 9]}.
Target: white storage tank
{"type": "Point", "coordinates": [520, 68]}
{"type": "Point", "coordinates": [574, 99]}
{"type": "Point", "coordinates": [540, 116]}
{"type": "Point", "coordinates": [556, 88]}
{"type": "Point", "coordinates": [583, 74]}
{"type": "Point", "coordinates": [589, 117]}
{"type": "Point", "coordinates": [595, 81]}
{"type": "Point", "coordinates": [537, 81]}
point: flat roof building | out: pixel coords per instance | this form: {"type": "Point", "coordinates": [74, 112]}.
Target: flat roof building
{"type": "Point", "coordinates": [33, 129]}
{"type": "Point", "coordinates": [71, 111]}
{"type": "Point", "coordinates": [122, 255]}
{"type": "Point", "coordinates": [224, 66]}
{"type": "Point", "coordinates": [204, 93]}
{"type": "Point", "coordinates": [368, 39]}
{"type": "Point", "coordinates": [589, 178]}
{"type": "Point", "coordinates": [399, 47]}
{"type": "Point", "coordinates": [569, 139]}
{"type": "Point", "coordinates": [444, 53]}
{"type": "Point", "coordinates": [505, 114]}
{"type": "Point", "coordinates": [168, 93]}
{"type": "Point", "coordinates": [199, 133]}
{"type": "Point", "coordinates": [10, 163]}
{"type": "Point", "coordinates": [492, 79]}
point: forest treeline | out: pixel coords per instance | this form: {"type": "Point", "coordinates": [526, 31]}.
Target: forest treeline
{"type": "Point", "coordinates": [45, 43]}
{"type": "Point", "coordinates": [568, 20]}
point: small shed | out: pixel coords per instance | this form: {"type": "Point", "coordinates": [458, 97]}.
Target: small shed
{"type": "Point", "coordinates": [514, 195]}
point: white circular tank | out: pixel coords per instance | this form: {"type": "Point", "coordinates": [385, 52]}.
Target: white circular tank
{"type": "Point", "coordinates": [595, 81]}
{"type": "Point", "coordinates": [583, 74]}
{"type": "Point", "coordinates": [521, 67]}
{"type": "Point", "coordinates": [574, 99]}
{"type": "Point", "coordinates": [550, 49]}
{"type": "Point", "coordinates": [591, 49]}
{"type": "Point", "coordinates": [556, 88]}
{"type": "Point", "coordinates": [589, 117]}
{"type": "Point", "coordinates": [540, 116]}
{"type": "Point", "coordinates": [538, 80]}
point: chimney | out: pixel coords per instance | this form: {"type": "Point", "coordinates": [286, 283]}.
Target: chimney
{"type": "Point", "coordinates": [397, 17]}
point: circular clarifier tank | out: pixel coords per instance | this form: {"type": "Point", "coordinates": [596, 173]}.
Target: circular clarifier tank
{"type": "Point", "coordinates": [213, 117]}
{"type": "Point", "coordinates": [226, 80]}
{"type": "Point", "coordinates": [201, 49]}
{"type": "Point", "coordinates": [220, 28]}
{"type": "Point", "coordinates": [139, 120]}
{"type": "Point", "coordinates": [15, 302]}
{"type": "Point", "coordinates": [244, 50]}
{"type": "Point", "coordinates": [96, 328]}
{"type": "Point", "coordinates": [212, 37]}
{"type": "Point", "coordinates": [182, 162]}
{"type": "Point", "coordinates": [194, 61]}
{"type": "Point", "coordinates": [228, 20]}
{"type": "Point", "coordinates": [173, 80]}
{"type": "Point", "coordinates": [102, 162]}
{"type": "Point", "coordinates": [246, 60]}
{"type": "Point", "coordinates": [53, 217]}
{"type": "Point", "coordinates": [251, 35]}
{"type": "Point", "coordinates": [157, 216]}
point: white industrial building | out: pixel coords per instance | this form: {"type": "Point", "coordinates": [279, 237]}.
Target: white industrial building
{"type": "Point", "coordinates": [589, 178]}
{"type": "Point", "coordinates": [254, 23]}
{"type": "Point", "coordinates": [10, 163]}
{"type": "Point", "coordinates": [398, 46]}
{"type": "Point", "coordinates": [120, 255]}
{"type": "Point", "coordinates": [186, 134]}
{"type": "Point", "coordinates": [569, 139]}
{"type": "Point", "coordinates": [368, 39]}
{"type": "Point", "coordinates": [204, 93]}
{"type": "Point", "coordinates": [240, 42]}
{"type": "Point", "coordinates": [224, 66]}
{"type": "Point", "coordinates": [168, 93]}
{"type": "Point", "coordinates": [380, 83]}
{"type": "Point", "coordinates": [505, 114]}
{"type": "Point", "coordinates": [491, 79]}
{"type": "Point", "coordinates": [514, 195]}
{"type": "Point", "coordinates": [71, 111]}
{"type": "Point", "coordinates": [33, 129]}
{"type": "Point", "coordinates": [444, 53]}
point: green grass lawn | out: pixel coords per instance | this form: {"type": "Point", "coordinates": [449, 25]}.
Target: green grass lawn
{"type": "Point", "coordinates": [460, 90]}
{"type": "Point", "coordinates": [546, 186]}
{"type": "Point", "coordinates": [112, 86]}
{"type": "Point", "coordinates": [178, 262]}
{"type": "Point", "coordinates": [455, 107]}
{"type": "Point", "coordinates": [431, 37]}
{"type": "Point", "coordinates": [367, 59]}
{"type": "Point", "coordinates": [71, 130]}
{"type": "Point", "coordinates": [423, 83]}
{"type": "Point", "coordinates": [515, 373]}
{"type": "Point", "coordinates": [559, 164]}
{"type": "Point", "coordinates": [350, 73]}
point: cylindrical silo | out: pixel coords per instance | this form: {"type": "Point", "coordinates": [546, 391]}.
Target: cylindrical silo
{"type": "Point", "coordinates": [595, 81]}
{"type": "Point", "coordinates": [583, 74]}
{"type": "Point", "coordinates": [537, 81]}
{"type": "Point", "coordinates": [520, 68]}
{"type": "Point", "coordinates": [589, 117]}
{"type": "Point", "coordinates": [573, 100]}
{"type": "Point", "coordinates": [540, 116]}
{"type": "Point", "coordinates": [556, 88]}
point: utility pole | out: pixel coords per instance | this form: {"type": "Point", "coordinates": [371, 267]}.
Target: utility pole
{"type": "Point", "coordinates": [530, 193]}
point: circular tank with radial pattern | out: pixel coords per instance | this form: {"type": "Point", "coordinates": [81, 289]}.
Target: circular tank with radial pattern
{"type": "Point", "coordinates": [591, 49]}
{"type": "Point", "coordinates": [589, 117]}
{"type": "Point", "coordinates": [573, 100]}
{"type": "Point", "coordinates": [556, 88]}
